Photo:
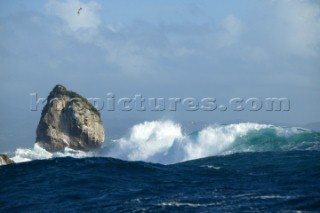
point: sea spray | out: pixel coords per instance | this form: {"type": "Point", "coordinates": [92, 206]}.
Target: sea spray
{"type": "Point", "coordinates": [148, 141]}
{"type": "Point", "coordinates": [38, 153]}
{"type": "Point", "coordinates": [216, 140]}
{"type": "Point", "coordinates": [165, 142]}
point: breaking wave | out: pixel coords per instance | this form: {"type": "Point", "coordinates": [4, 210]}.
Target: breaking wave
{"type": "Point", "coordinates": [165, 142]}
{"type": "Point", "coordinates": [38, 153]}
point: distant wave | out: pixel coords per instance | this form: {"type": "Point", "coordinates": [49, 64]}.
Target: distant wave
{"type": "Point", "coordinates": [165, 142]}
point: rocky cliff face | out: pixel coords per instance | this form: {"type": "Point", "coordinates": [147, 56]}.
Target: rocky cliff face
{"type": "Point", "coordinates": [69, 120]}
{"type": "Point", "coordinates": [4, 160]}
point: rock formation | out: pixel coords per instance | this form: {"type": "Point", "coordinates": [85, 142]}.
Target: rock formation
{"type": "Point", "coordinates": [4, 160]}
{"type": "Point", "coordinates": [69, 120]}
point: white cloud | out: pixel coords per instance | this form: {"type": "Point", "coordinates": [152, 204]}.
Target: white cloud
{"type": "Point", "coordinates": [288, 27]}
{"type": "Point", "coordinates": [232, 29]}
{"type": "Point", "coordinates": [115, 27]}
{"type": "Point", "coordinates": [129, 57]}
{"type": "Point", "coordinates": [302, 25]}
{"type": "Point", "coordinates": [284, 28]}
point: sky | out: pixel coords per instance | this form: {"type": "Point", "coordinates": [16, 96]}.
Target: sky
{"type": "Point", "coordinates": [162, 48]}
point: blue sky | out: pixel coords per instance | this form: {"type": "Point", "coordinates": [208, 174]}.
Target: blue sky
{"type": "Point", "coordinates": [220, 49]}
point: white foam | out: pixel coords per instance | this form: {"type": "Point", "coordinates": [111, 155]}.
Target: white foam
{"type": "Point", "coordinates": [216, 140]}
{"type": "Point", "coordinates": [289, 131]}
{"type": "Point", "coordinates": [193, 205]}
{"type": "Point", "coordinates": [265, 197]}
{"type": "Point", "coordinates": [164, 142]}
{"type": "Point", "coordinates": [148, 141]}
{"type": "Point", "coordinates": [211, 167]}
{"type": "Point", "coordinates": [38, 153]}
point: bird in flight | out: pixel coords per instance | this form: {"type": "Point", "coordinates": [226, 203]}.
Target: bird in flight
{"type": "Point", "coordinates": [79, 10]}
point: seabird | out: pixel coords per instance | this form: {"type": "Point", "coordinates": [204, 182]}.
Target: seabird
{"type": "Point", "coordinates": [79, 10]}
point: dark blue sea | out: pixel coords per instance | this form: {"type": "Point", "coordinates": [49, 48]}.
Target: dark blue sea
{"type": "Point", "coordinates": [267, 169]}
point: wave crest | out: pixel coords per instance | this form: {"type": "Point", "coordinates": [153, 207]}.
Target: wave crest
{"type": "Point", "coordinates": [38, 153]}
{"type": "Point", "coordinates": [165, 142]}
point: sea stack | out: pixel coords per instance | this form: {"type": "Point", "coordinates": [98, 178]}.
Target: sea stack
{"type": "Point", "coordinates": [69, 120]}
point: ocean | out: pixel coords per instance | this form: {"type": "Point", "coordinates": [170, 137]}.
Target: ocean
{"type": "Point", "coordinates": [161, 167]}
